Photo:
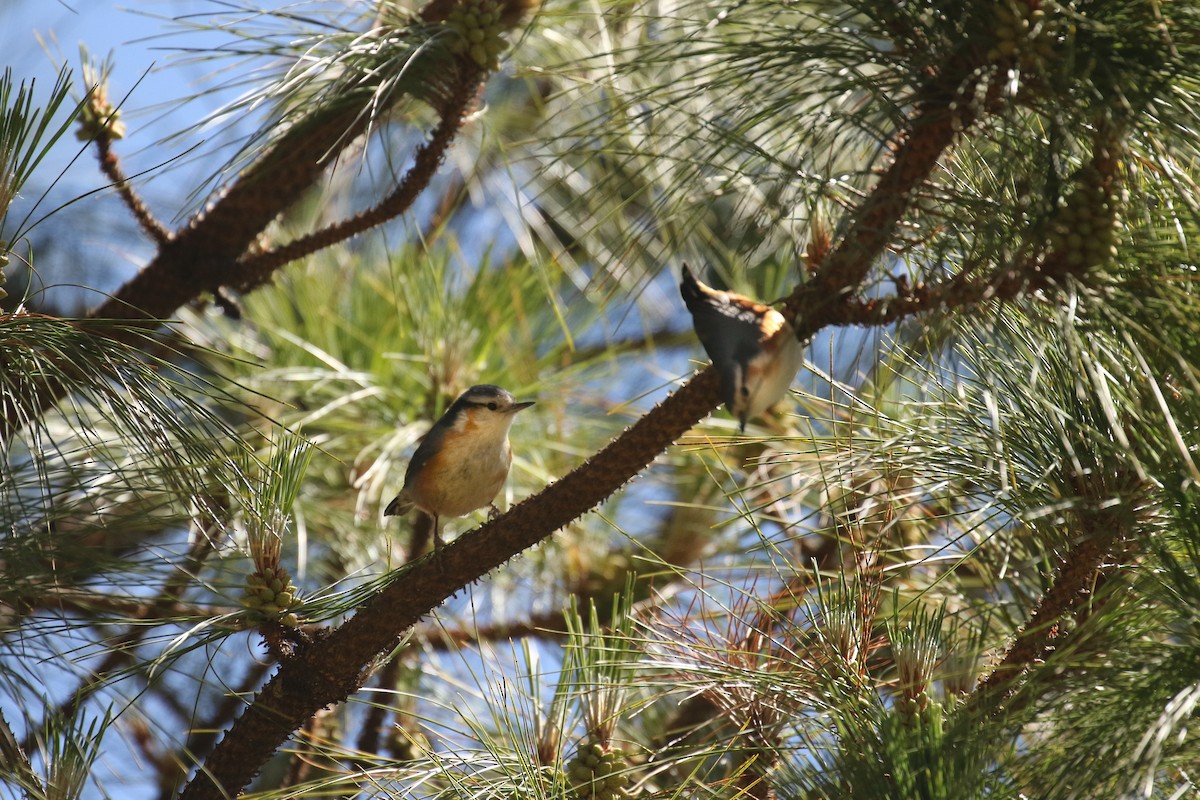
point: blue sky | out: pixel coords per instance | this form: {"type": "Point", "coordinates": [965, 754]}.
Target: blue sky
{"type": "Point", "coordinates": [97, 244]}
{"type": "Point", "coordinates": [37, 35]}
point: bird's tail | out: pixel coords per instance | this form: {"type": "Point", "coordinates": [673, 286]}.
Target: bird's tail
{"type": "Point", "coordinates": [690, 288]}
{"type": "Point", "coordinates": [401, 504]}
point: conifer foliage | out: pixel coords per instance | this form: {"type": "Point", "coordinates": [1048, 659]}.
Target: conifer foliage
{"type": "Point", "coordinates": [961, 559]}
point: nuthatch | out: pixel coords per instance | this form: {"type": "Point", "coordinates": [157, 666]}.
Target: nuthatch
{"type": "Point", "coordinates": [462, 462]}
{"type": "Point", "coordinates": [752, 346]}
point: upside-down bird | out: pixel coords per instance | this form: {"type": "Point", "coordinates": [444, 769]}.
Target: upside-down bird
{"type": "Point", "coordinates": [752, 346]}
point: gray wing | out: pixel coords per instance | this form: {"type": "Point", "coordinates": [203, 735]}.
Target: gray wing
{"type": "Point", "coordinates": [728, 332]}
{"type": "Point", "coordinates": [429, 446]}
{"type": "Point", "coordinates": [402, 503]}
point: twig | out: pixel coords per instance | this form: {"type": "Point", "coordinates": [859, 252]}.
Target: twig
{"type": "Point", "coordinates": [110, 165]}
{"type": "Point", "coordinates": [120, 646]}
{"type": "Point", "coordinates": [369, 737]}
{"type": "Point", "coordinates": [449, 205]}
{"type": "Point", "coordinates": [81, 601]}
{"type": "Point", "coordinates": [254, 270]}
{"type": "Point", "coordinates": [960, 291]}
{"type": "Point", "coordinates": [372, 724]}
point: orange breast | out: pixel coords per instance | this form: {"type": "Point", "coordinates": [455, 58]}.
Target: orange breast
{"type": "Point", "coordinates": [461, 478]}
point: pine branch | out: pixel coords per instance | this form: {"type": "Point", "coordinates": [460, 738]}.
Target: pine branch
{"type": "Point", "coordinates": [1046, 269]}
{"type": "Point", "coordinates": [962, 292]}
{"type": "Point", "coordinates": [1089, 564]}
{"type": "Point", "coordinates": [120, 647]}
{"type": "Point", "coordinates": [84, 603]}
{"type": "Point", "coordinates": [945, 107]}
{"type": "Point", "coordinates": [202, 736]}
{"type": "Point", "coordinates": [1107, 535]}
{"type": "Point", "coordinates": [328, 670]}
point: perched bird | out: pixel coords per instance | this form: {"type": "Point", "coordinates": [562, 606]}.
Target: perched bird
{"type": "Point", "coordinates": [752, 346]}
{"type": "Point", "coordinates": [462, 462]}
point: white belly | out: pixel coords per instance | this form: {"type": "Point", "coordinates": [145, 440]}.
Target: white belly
{"type": "Point", "coordinates": [768, 387]}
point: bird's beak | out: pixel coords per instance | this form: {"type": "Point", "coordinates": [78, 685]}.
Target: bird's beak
{"type": "Point", "coordinates": [520, 406]}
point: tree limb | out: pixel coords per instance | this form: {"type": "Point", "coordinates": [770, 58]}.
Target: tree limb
{"type": "Point", "coordinates": [1106, 533]}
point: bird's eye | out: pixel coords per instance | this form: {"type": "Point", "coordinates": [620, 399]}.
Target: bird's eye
{"type": "Point", "coordinates": [492, 406]}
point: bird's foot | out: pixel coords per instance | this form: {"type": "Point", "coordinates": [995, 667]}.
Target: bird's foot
{"type": "Point", "coordinates": [438, 546]}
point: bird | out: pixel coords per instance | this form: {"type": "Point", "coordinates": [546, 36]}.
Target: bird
{"type": "Point", "coordinates": [753, 347]}
{"type": "Point", "coordinates": [463, 461]}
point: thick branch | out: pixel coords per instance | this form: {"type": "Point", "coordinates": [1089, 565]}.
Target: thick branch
{"type": "Point", "coordinates": [203, 255]}
{"type": "Point", "coordinates": [329, 670]}
{"type": "Point", "coordinates": [1086, 568]}
{"type": "Point", "coordinates": [938, 119]}
{"type": "Point", "coordinates": [202, 736]}
{"type": "Point", "coordinates": [1114, 505]}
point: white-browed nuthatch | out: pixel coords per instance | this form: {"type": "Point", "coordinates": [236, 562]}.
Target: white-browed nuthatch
{"type": "Point", "coordinates": [463, 461]}
{"type": "Point", "coordinates": [752, 346]}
